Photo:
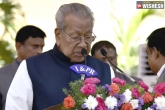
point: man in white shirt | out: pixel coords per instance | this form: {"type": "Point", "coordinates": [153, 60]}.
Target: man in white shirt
{"type": "Point", "coordinates": [156, 53]}
{"type": "Point", "coordinates": [39, 80]}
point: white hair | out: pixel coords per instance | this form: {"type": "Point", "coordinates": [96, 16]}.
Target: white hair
{"type": "Point", "coordinates": [76, 9]}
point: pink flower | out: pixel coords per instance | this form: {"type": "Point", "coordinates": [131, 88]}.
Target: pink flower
{"type": "Point", "coordinates": [101, 105]}
{"type": "Point", "coordinates": [119, 81]}
{"type": "Point", "coordinates": [143, 85]}
{"type": "Point", "coordinates": [91, 81]}
{"type": "Point", "coordinates": [135, 92]}
{"type": "Point", "coordinates": [88, 89]}
{"type": "Point", "coordinates": [159, 88]}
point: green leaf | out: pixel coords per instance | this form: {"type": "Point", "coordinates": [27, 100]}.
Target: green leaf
{"type": "Point", "coordinates": [128, 54]}
{"type": "Point", "coordinates": [7, 53]}
{"type": "Point", "coordinates": [11, 15]}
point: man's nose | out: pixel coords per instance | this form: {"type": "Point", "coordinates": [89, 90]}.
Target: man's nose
{"type": "Point", "coordinates": [82, 43]}
{"type": "Point", "coordinates": [39, 51]}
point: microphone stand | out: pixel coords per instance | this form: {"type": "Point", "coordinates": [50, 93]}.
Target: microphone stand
{"type": "Point", "coordinates": [83, 52]}
{"type": "Point", "coordinates": [120, 70]}
{"type": "Point", "coordinates": [105, 54]}
{"type": "Point", "coordinates": [85, 62]}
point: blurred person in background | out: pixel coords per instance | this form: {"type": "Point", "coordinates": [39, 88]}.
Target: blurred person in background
{"type": "Point", "coordinates": [156, 53]}
{"type": "Point", "coordinates": [29, 41]}
{"type": "Point", "coordinates": [112, 55]}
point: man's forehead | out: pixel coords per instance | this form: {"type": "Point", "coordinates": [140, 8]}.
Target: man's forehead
{"type": "Point", "coordinates": [109, 51]}
{"type": "Point", "coordinates": [77, 21]}
{"type": "Point", "coordinates": [35, 40]}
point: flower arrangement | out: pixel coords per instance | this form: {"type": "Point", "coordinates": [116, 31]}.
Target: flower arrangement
{"type": "Point", "coordinates": [119, 95]}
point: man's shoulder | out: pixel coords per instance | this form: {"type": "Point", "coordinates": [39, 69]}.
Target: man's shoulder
{"type": "Point", "coordinates": [7, 72]}
{"type": "Point", "coordinates": [123, 76]}
{"type": "Point", "coordinates": [6, 67]}
{"type": "Point", "coordinates": [40, 56]}
{"type": "Point", "coordinates": [117, 74]}
{"type": "Point", "coordinates": [163, 73]}
{"type": "Point", "coordinates": [136, 78]}
{"type": "Point", "coordinates": [161, 78]}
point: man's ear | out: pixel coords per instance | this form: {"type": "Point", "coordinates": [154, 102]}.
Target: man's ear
{"type": "Point", "coordinates": [18, 46]}
{"type": "Point", "coordinates": [57, 36]}
{"type": "Point", "coordinates": [155, 53]}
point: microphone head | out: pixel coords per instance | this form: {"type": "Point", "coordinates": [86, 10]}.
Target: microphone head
{"type": "Point", "coordinates": [103, 52]}
{"type": "Point", "coordinates": [83, 51]}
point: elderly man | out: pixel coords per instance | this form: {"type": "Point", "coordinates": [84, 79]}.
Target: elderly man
{"type": "Point", "coordinates": [29, 42]}
{"type": "Point", "coordinates": [156, 53]}
{"type": "Point", "coordinates": [39, 80]}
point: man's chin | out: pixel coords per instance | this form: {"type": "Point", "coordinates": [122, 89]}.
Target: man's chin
{"type": "Point", "coordinates": [77, 60]}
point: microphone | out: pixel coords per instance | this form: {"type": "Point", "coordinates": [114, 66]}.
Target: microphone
{"type": "Point", "coordinates": [104, 53]}
{"type": "Point", "coordinates": [84, 53]}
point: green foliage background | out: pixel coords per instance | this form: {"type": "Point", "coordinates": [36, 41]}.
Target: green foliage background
{"type": "Point", "coordinates": [128, 54]}
{"type": "Point", "coordinates": [11, 16]}
{"type": "Point", "coordinates": [7, 53]}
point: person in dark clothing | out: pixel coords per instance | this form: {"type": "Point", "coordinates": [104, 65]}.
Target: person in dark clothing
{"type": "Point", "coordinates": [29, 41]}
{"type": "Point", "coordinates": [112, 55]}
{"type": "Point", "coordinates": [156, 53]}
{"type": "Point", "coordinates": [39, 80]}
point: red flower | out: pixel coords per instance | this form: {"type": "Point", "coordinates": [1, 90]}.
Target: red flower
{"type": "Point", "coordinates": [135, 92]}
{"type": "Point", "coordinates": [69, 102]}
{"type": "Point", "coordinates": [91, 81]}
{"type": "Point", "coordinates": [147, 97]}
{"type": "Point", "coordinates": [88, 89]}
{"type": "Point", "coordinates": [143, 85]}
{"type": "Point", "coordinates": [119, 81]}
{"type": "Point", "coordinates": [159, 88]}
{"type": "Point", "coordinates": [115, 89]}
{"type": "Point", "coordinates": [101, 104]}
{"type": "Point", "coordinates": [127, 106]}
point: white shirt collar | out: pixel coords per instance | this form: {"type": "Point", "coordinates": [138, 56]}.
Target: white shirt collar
{"type": "Point", "coordinates": [161, 70]}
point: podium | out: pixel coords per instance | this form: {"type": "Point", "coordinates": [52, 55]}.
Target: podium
{"type": "Point", "coordinates": [55, 107]}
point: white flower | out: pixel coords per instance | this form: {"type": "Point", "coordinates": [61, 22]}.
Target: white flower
{"type": "Point", "coordinates": [91, 103]}
{"type": "Point", "coordinates": [128, 92]}
{"type": "Point", "coordinates": [134, 103]}
{"type": "Point", "coordinates": [160, 102]}
{"type": "Point", "coordinates": [148, 108]}
{"type": "Point", "coordinates": [111, 102]}
{"type": "Point", "coordinates": [128, 95]}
